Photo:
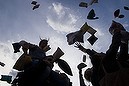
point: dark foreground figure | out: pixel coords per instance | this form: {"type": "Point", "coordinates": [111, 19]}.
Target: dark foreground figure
{"type": "Point", "coordinates": [35, 68]}
{"type": "Point", "coordinates": [110, 68]}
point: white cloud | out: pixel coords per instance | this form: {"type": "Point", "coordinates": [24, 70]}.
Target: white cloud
{"type": "Point", "coordinates": [61, 18]}
{"type": "Point", "coordinates": [99, 32]}
{"type": "Point", "coordinates": [58, 8]}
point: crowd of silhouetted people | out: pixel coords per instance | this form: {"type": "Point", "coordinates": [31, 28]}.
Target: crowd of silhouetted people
{"type": "Point", "coordinates": [35, 68]}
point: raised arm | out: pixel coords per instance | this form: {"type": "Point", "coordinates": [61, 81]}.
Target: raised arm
{"type": "Point", "coordinates": [25, 46]}
{"type": "Point", "coordinates": [88, 51]}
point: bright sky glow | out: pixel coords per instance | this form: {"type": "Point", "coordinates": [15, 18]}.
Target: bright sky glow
{"type": "Point", "coordinates": [53, 20]}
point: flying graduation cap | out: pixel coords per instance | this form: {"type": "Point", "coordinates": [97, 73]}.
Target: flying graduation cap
{"type": "Point", "coordinates": [78, 35]}
{"type": "Point", "coordinates": [2, 64]}
{"type": "Point", "coordinates": [81, 65]}
{"type": "Point", "coordinates": [83, 4]}
{"type": "Point", "coordinates": [91, 15]}
{"type": "Point", "coordinates": [64, 66]}
{"type": "Point", "coordinates": [74, 37]}
{"type": "Point", "coordinates": [126, 8]}
{"type": "Point", "coordinates": [121, 16]}
{"type": "Point", "coordinates": [16, 47]}
{"type": "Point", "coordinates": [6, 78]}
{"type": "Point", "coordinates": [117, 14]}
{"type": "Point", "coordinates": [92, 39]}
{"type": "Point", "coordinates": [84, 58]}
{"type": "Point", "coordinates": [87, 28]}
{"type": "Point", "coordinates": [91, 31]}
{"type": "Point", "coordinates": [57, 54]}
{"type": "Point", "coordinates": [34, 2]}
{"type": "Point", "coordinates": [35, 5]}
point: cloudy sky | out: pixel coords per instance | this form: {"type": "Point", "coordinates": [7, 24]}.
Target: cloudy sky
{"type": "Point", "coordinates": [53, 20]}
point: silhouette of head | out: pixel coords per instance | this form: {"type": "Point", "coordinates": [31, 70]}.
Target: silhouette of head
{"type": "Point", "coordinates": [88, 74]}
{"type": "Point", "coordinates": [116, 25]}
{"type": "Point", "coordinates": [43, 43]}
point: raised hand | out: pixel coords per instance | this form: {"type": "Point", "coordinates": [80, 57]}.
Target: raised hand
{"type": "Point", "coordinates": [78, 45]}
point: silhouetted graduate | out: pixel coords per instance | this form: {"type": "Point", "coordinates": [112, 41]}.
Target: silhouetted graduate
{"type": "Point", "coordinates": [80, 67]}
{"type": "Point", "coordinates": [126, 8]}
{"type": "Point", "coordinates": [115, 25]}
{"type": "Point", "coordinates": [91, 15]}
{"type": "Point", "coordinates": [83, 4]}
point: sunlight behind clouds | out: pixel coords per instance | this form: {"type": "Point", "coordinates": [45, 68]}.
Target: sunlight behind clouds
{"type": "Point", "coordinates": [59, 9]}
{"type": "Point", "coordinates": [54, 19]}
{"type": "Point", "coordinates": [61, 18]}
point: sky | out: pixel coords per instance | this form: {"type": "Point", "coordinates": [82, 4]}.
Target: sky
{"type": "Point", "coordinates": [53, 20]}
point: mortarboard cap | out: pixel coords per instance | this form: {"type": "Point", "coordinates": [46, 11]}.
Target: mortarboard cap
{"type": "Point", "coordinates": [78, 35]}
{"type": "Point", "coordinates": [6, 78]}
{"type": "Point", "coordinates": [81, 65]}
{"type": "Point", "coordinates": [36, 6]}
{"type": "Point", "coordinates": [84, 58]}
{"type": "Point", "coordinates": [75, 37]}
{"type": "Point", "coordinates": [116, 13]}
{"type": "Point", "coordinates": [58, 53]}
{"type": "Point", "coordinates": [92, 39]}
{"type": "Point", "coordinates": [91, 15]}
{"type": "Point", "coordinates": [64, 66]}
{"type": "Point", "coordinates": [91, 31]}
{"type": "Point", "coordinates": [16, 47]}
{"type": "Point", "coordinates": [86, 28]}
{"type": "Point", "coordinates": [34, 2]}
{"type": "Point", "coordinates": [2, 64]}
{"type": "Point", "coordinates": [121, 16]}
{"type": "Point", "coordinates": [126, 8]}
{"type": "Point", "coordinates": [83, 4]}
